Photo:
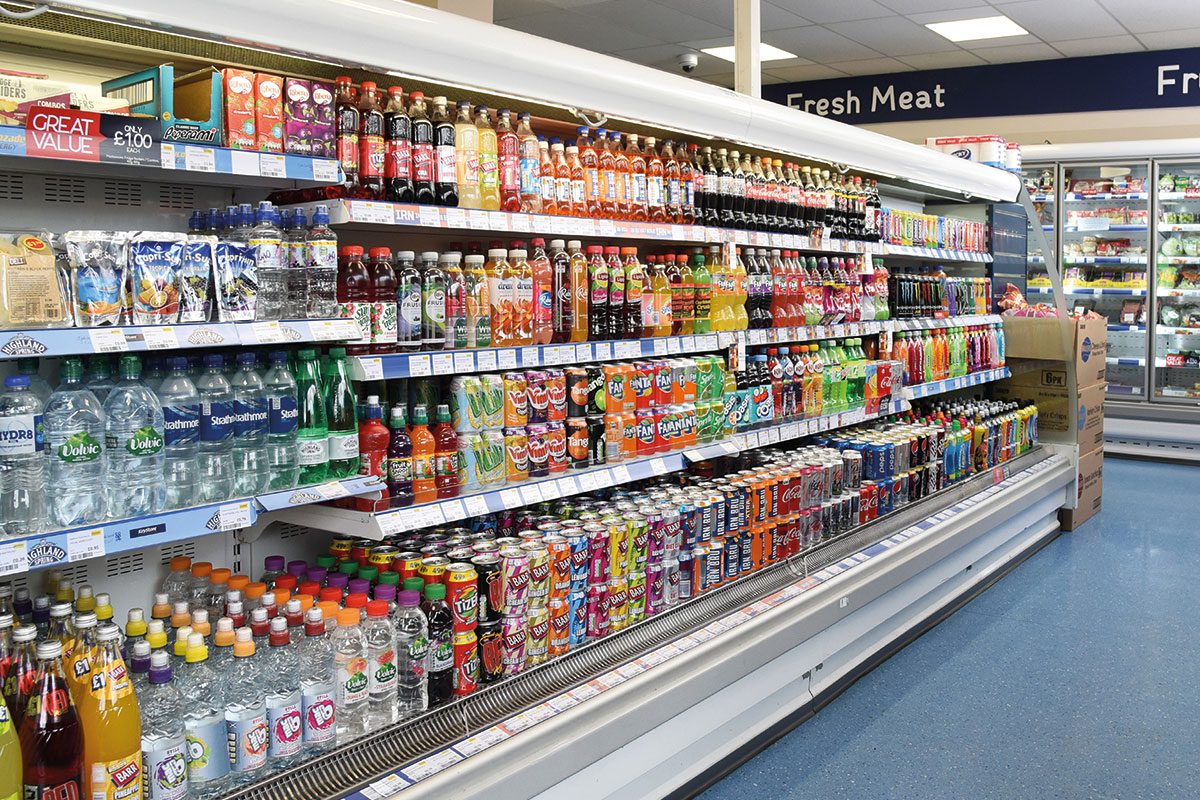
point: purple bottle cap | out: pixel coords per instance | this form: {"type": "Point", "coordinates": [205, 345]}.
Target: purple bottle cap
{"type": "Point", "coordinates": [385, 591]}
{"type": "Point", "coordinates": [160, 667]}
{"type": "Point", "coordinates": [297, 568]}
{"type": "Point", "coordinates": [317, 574]}
{"type": "Point", "coordinates": [273, 564]}
{"type": "Point", "coordinates": [338, 580]}
{"type": "Point", "coordinates": [410, 597]}
{"type": "Point", "coordinates": [359, 586]}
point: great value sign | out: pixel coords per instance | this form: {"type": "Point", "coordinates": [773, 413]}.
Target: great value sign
{"type": "Point", "coordinates": [66, 133]}
{"type": "Point", "coordinates": [1161, 79]}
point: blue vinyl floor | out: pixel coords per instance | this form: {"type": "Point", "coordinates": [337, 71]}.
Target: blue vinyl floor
{"type": "Point", "coordinates": [1076, 676]}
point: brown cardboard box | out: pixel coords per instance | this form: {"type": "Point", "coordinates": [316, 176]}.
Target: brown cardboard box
{"type": "Point", "coordinates": [1090, 489]}
{"type": "Point", "coordinates": [1062, 419]}
{"type": "Point", "coordinates": [1031, 337]}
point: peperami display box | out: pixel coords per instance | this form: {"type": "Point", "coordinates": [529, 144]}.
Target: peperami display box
{"type": "Point", "coordinates": [191, 108]}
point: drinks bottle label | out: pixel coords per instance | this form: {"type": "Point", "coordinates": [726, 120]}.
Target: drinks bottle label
{"type": "Point", "coordinates": [591, 182]}
{"type": "Point", "coordinates": [446, 464]}
{"type": "Point", "coordinates": [322, 253]}
{"type": "Point", "coordinates": [250, 417]}
{"type": "Point", "coordinates": [400, 470]}
{"type": "Point", "coordinates": [447, 164]}
{"type": "Point", "coordinates": [654, 191]}
{"type": "Point", "coordinates": [296, 254]}
{"type": "Point", "coordinates": [441, 655]}
{"type": "Point", "coordinates": [372, 463]}
{"type": "Point", "coordinates": [268, 252]}
{"type": "Point", "coordinates": [639, 188]}
{"type": "Point", "coordinates": [69, 789]}
{"type": "Point", "coordinates": [165, 771]}
{"type": "Point", "coordinates": [21, 435]}
{"type": "Point", "coordinates": [531, 181]}
{"type": "Point", "coordinates": [347, 151]}
{"type": "Point", "coordinates": [674, 197]}
{"type": "Point", "coordinates": [422, 162]}
{"type": "Point", "coordinates": [578, 191]}
{"type": "Point", "coordinates": [286, 725]}
{"type": "Point", "coordinates": [312, 452]}
{"type": "Point", "coordinates": [318, 714]}
{"type": "Point", "coordinates": [371, 155]}
{"type": "Point", "coordinates": [79, 448]}
{"type": "Point", "coordinates": [181, 424]}
{"type": "Point", "coordinates": [562, 190]}
{"type": "Point", "coordinates": [343, 446]}
{"type": "Point", "coordinates": [352, 681]}
{"type": "Point", "coordinates": [248, 740]}
{"type": "Point", "coordinates": [361, 314]}
{"type": "Point", "coordinates": [408, 319]}
{"type": "Point", "coordinates": [398, 163]}
{"type": "Point", "coordinates": [510, 173]}
{"type": "Point", "coordinates": [207, 751]}
{"type": "Point", "coordinates": [119, 779]}
{"type": "Point", "coordinates": [282, 417]}
{"type": "Point", "coordinates": [489, 170]}
{"type": "Point", "coordinates": [216, 420]}
{"type": "Point", "coordinates": [382, 672]}
{"type": "Point", "coordinates": [423, 468]}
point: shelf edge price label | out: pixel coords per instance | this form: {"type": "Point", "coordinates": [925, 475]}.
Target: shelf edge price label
{"type": "Point", "coordinates": [160, 338]}
{"type": "Point", "coordinates": [266, 333]}
{"type": "Point", "coordinates": [232, 516]}
{"type": "Point", "coordinates": [82, 545]}
{"type": "Point", "coordinates": [108, 340]}
{"type": "Point", "coordinates": [13, 558]}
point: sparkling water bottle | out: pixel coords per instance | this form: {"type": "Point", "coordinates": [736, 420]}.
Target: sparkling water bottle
{"type": "Point", "coordinates": [412, 654]}
{"type": "Point", "coordinates": [283, 697]}
{"type": "Point", "coordinates": [251, 475]}
{"type": "Point", "coordinates": [216, 432]}
{"type": "Point", "coordinates": [203, 690]}
{"type": "Point", "coordinates": [322, 267]}
{"type": "Point", "coordinates": [164, 748]}
{"type": "Point", "coordinates": [351, 684]}
{"type": "Point", "coordinates": [22, 459]}
{"type": "Point", "coordinates": [381, 666]}
{"type": "Point", "coordinates": [267, 242]}
{"type": "Point", "coordinates": [74, 422]}
{"type": "Point", "coordinates": [181, 419]}
{"type": "Point", "coordinates": [295, 246]}
{"type": "Point", "coordinates": [282, 423]}
{"type": "Point", "coordinates": [133, 440]}
{"type": "Point", "coordinates": [316, 685]}
{"type": "Point", "coordinates": [246, 712]}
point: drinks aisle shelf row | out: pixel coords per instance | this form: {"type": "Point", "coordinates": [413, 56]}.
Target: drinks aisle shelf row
{"type": "Point", "coordinates": [931, 388]}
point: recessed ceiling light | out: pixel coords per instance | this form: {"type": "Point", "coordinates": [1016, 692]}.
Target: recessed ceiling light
{"type": "Point", "coordinates": [766, 52]}
{"type": "Point", "coordinates": [968, 30]}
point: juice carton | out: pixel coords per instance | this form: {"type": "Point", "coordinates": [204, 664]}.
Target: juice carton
{"type": "Point", "coordinates": [239, 109]}
{"type": "Point", "coordinates": [268, 111]}
{"type": "Point", "coordinates": [324, 131]}
{"type": "Point", "coordinates": [299, 114]}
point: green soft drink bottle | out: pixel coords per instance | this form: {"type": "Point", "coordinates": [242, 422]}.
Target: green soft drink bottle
{"type": "Point", "coordinates": [341, 416]}
{"type": "Point", "coordinates": [702, 280]}
{"type": "Point", "coordinates": [312, 427]}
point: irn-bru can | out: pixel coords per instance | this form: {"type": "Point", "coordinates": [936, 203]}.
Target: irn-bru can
{"type": "Point", "coordinates": [597, 402]}
{"type": "Point", "coordinates": [559, 610]}
{"type": "Point", "coordinates": [537, 639]}
{"type": "Point", "coordinates": [597, 611]}
{"type": "Point", "coordinates": [560, 564]}
{"type": "Point", "coordinates": [492, 398]}
{"type": "Point", "coordinates": [516, 399]}
{"type": "Point", "coordinates": [637, 599]}
{"type": "Point", "coordinates": [556, 395]}
{"type": "Point", "coordinates": [614, 435]}
{"type": "Point", "coordinates": [577, 391]}
{"type": "Point", "coordinates": [513, 643]}
{"type": "Point", "coordinates": [643, 385]}
{"type": "Point", "coordinates": [516, 454]}
{"type": "Point", "coordinates": [539, 450]}
{"type": "Point", "coordinates": [618, 546]}
{"type": "Point", "coordinates": [655, 589]}
{"type": "Point", "coordinates": [635, 524]}
{"type": "Point", "coordinates": [578, 603]}
{"type": "Point", "coordinates": [629, 440]}
{"type": "Point", "coordinates": [556, 447]}
{"type": "Point", "coordinates": [539, 573]}
{"type": "Point", "coordinates": [514, 563]}
{"type": "Point", "coordinates": [466, 403]}
{"type": "Point", "coordinates": [462, 594]}
{"type": "Point", "coordinates": [599, 552]}
{"type": "Point", "coordinates": [578, 449]}
{"type": "Point", "coordinates": [714, 562]}
{"type": "Point", "coordinates": [466, 663]}
{"type": "Point", "coordinates": [490, 459]}
{"type": "Point", "coordinates": [618, 604]}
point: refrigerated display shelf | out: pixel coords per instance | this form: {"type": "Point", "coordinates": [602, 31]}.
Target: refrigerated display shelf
{"type": "Point", "coordinates": [1167, 330]}
{"type": "Point", "coordinates": [1080, 260]}
{"type": "Point", "coordinates": [1075, 197]}
{"type": "Point", "coordinates": [34, 551]}
{"type": "Point", "coordinates": [1116, 388]}
{"type": "Point", "coordinates": [381, 765]}
{"type": "Point", "coordinates": [935, 253]}
{"type": "Point", "coordinates": [1165, 292]}
{"type": "Point", "coordinates": [1191, 194]}
{"type": "Point", "coordinates": [1162, 364]}
{"type": "Point", "coordinates": [1179, 227]}
{"type": "Point", "coordinates": [924, 323]}
{"type": "Point", "coordinates": [380, 524]}
{"type": "Point", "coordinates": [1089, 290]}
{"type": "Point", "coordinates": [49, 342]}
{"type": "Point", "coordinates": [1125, 362]}
{"type": "Point", "coordinates": [1127, 327]}
{"type": "Point", "coordinates": [919, 390]}
{"type": "Point", "coordinates": [1119, 227]}
{"type": "Point", "coordinates": [1042, 198]}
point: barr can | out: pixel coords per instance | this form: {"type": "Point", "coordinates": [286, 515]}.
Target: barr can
{"type": "Point", "coordinates": [560, 564]}
{"type": "Point", "coordinates": [538, 395]}
{"type": "Point", "coordinates": [516, 454]}
{"type": "Point", "coordinates": [539, 450]}
{"type": "Point", "coordinates": [513, 642]}
{"type": "Point", "coordinates": [556, 447]}
{"type": "Point", "coordinates": [539, 573]}
{"type": "Point", "coordinates": [462, 593]}
{"type": "Point", "coordinates": [671, 578]}
{"type": "Point", "coordinates": [559, 610]}
{"type": "Point", "coordinates": [466, 663]}
{"type": "Point", "coordinates": [637, 599]}
{"type": "Point", "coordinates": [656, 588]}
{"type": "Point", "coordinates": [577, 391]}
{"type": "Point", "coordinates": [578, 602]}
{"type": "Point", "coordinates": [516, 399]}
{"type": "Point", "coordinates": [577, 541]}
{"type": "Point", "coordinates": [492, 399]}
{"type": "Point", "coordinates": [514, 563]}
{"type": "Point", "coordinates": [382, 557]}
{"type": "Point", "coordinates": [406, 564]}
{"type": "Point", "coordinates": [599, 550]}
{"type": "Point", "coordinates": [638, 533]}
{"type": "Point", "coordinates": [618, 546]}
{"type": "Point", "coordinates": [537, 640]}
{"type": "Point", "coordinates": [597, 611]}
{"type": "Point", "coordinates": [491, 651]}
{"type": "Point", "coordinates": [340, 548]}
{"type": "Point", "coordinates": [466, 403]}
{"type": "Point", "coordinates": [432, 569]}
{"type": "Point", "coordinates": [618, 604]}
{"type": "Point", "coordinates": [556, 395]}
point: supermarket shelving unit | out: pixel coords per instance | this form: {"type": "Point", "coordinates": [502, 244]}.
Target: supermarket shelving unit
{"type": "Point", "coordinates": [797, 632]}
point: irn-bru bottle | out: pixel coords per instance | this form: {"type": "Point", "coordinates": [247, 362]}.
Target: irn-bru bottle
{"type": "Point", "coordinates": [51, 735]}
{"type": "Point", "coordinates": [112, 728]}
{"type": "Point", "coordinates": [423, 453]}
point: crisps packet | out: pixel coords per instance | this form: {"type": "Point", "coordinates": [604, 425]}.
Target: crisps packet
{"type": "Point", "coordinates": [98, 263]}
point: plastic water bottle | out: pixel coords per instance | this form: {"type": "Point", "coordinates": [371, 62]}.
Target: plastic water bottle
{"type": "Point", "coordinates": [133, 439]}
{"type": "Point", "coordinates": [322, 267]}
{"type": "Point", "coordinates": [203, 691]}
{"type": "Point", "coordinates": [351, 684]}
{"type": "Point", "coordinates": [295, 246]}
{"type": "Point", "coordinates": [381, 666]}
{"type": "Point", "coordinates": [317, 695]}
{"type": "Point", "coordinates": [412, 654]}
{"type": "Point", "coordinates": [267, 242]}
{"type": "Point", "coordinates": [181, 419]}
{"type": "Point", "coordinates": [139, 666]}
{"type": "Point", "coordinates": [246, 712]}
{"type": "Point", "coordinates": [164, 748]}
{"type": "Point", "coordinates": [251, 475]}
{"type": "Point", "coordinates": [37, 384]}
{"type": "Point", "coordinates": [312, 427]}
{"type": "Point", "coordinates": [99, 377]}
{"type": "Point", "coordinates": [216, 432]}
{"type": "Point", "coordinates": [74, 425]}
{"type": "Point", "coordinates": [22, 459]}
{"type": "Point", "coordinates": [282, 423]}
{"type": "Point", "coordinates": [283, 697]}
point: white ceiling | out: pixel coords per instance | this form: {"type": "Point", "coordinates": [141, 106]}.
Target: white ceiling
{"type": "Point", "coordinates": [836, 38]}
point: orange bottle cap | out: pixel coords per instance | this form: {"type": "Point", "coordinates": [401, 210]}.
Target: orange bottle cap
{"type": "Point", "coordinates": [238, 582]}
{"type": "Point", "coordinates": [180, 563]}
{"type": "Point", "coordinates": [348, 616]}
{"type": "Point", "coordinates": [306, 601]}
{"type": "Point", "coordinates": [255, 590]}
{"type": "Point", "coordinates": [281, 597]}
{"type": "Point", "coordinates": [224, 635]}
{"type": "Point", "coordinates": [243, 647]}
{"type": "Point", "coordinates": [219, 576]}
{"type": "Point", "coordinates": [329, 609]}
{"type": "Point", "coordinates": [201, 569]}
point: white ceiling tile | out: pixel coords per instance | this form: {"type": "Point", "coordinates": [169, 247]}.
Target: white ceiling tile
{"type": "Point", "coordinates": [973, 10]}
{"type": "Point", "coordinates": [816, 72]}
{"type": "Point", "coordinates": [922, 6]}
{"type": "Point", "coordinates": [1162, 40]}
{"type": "Point", "coordinates": [951, 60]}
{"type": "Point", "coordinates": [718, 12]}
{"type": "Point", "coordinates": [1062, 19]}
{"type": "Point", "coordinates": [774, 17]}
{"type": "Point", "coordinates": [1156, 15]}
{"type": "Point", "coordinates": [1016, 52]}
{"type": "Point", "coordinates": [654, 19]}
{"type": "Point", "coordinates": [1100, 46]}
{"type": "Point", "coordinates": [893, 36]}
{"type": "Point", "coordinates": [871, 66]}
{"type": "Point", "coordinates": [823, 11]}
{"type": "Point", "coordinates": [581, 30]}
{"type": "Point", "coordinates": [818, 44]}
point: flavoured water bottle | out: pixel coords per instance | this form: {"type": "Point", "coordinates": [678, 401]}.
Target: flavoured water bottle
{"type": "Point", "coordinates": [351, 682]}
{"type": "Point", "coordinates": [295, 259]}
{"type": "Point", "coordinates": [317, 699]}
{"type": "Point", "coordinates": [412, 654]}
{"type": "Point", "coordinates": [250, 472]}
{"type": "Point", "coordinates": [133, 440]}
{"type": "Point", "coordinates": [280, 393]}
{"type": "Point", "coordinates": [216, 432]}
{"type": "Point", "coordinates": [22, 459]}
{"type": "Point", "coordinates": [246, 712]}
{"type": "Point", "coordinates": [74, 423]}
{"type": "Point", "coordinates": [283, 697]}
{"type": "Point", "coordinates": [266, 240]}
{"type": "Point", "coordinates": [181, 419]}
{"type": "Point", "coordinates": [381, 666]}
{"type": "Point", "coordinates": [322, 267]}
{"type": "Point", "coordinates": [164, 748]}
{"type": "Point", "coordinates": [203, 716]}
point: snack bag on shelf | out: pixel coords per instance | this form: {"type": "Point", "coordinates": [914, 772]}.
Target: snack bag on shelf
{"type": "Point", "coordinates": [31, 294]}
{"type": "Point", "coordinates": [98, 284]}
{"type": "Point", "coordinates": [156, 264]}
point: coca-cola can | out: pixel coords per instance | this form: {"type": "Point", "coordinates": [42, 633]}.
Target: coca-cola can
{"type": "Point", "coordinates": [597, 610]}
{"type": "Point", "coordinates": [598, 552]}
{"type": "Point", "coordinates": [512, 639]}
{"type": "Point", "coordinates": [466, 663]}
{"type": "Point", "coordinates": [537, 639]}
{"type": "Point", "coordinates": [515, 565]}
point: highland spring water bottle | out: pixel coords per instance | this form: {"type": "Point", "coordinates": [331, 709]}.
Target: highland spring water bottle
{"type": "Point", "coordinates": [22, 459]}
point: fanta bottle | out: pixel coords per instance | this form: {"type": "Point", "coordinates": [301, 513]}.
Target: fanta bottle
{"type": "Point", "coordinates": [423, 453]}
{"type": "Point", "coordinates": [739, 295]}
{"type": "Point", "coordinates": [112, 728]}
{"type": "Point", "coordinates": [50, 734]}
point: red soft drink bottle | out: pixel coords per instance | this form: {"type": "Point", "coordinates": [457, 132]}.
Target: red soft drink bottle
{"type": "Point", "coordinates": [354, 296]}
{"type": "Point", "coordinates": [422, 149]}
{"type": "Point", "coordinates": [370, 142]}
{"type": "Point", "coordinates": [346, 114]}
{"type": "Point", "coordinates": [508, 150]}
{"type": "Point", "coordinates": [397, 142]}
{"type": "Point", "coordinates": [383, 301]}
{"type": "Point", "coordinates": [445, 454]}
{"type": "Point", "coordinates": [373, 441]}
{"type": "Point", "coordinates": [51, 734]}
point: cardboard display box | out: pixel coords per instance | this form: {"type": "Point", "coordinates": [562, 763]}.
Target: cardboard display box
{"type": "Point", "coordinates": [1061, 418]}
{"type": "Point", "coordinates": [1041, 338]}
{"type": "Point", "coordinates": [1090, 490]}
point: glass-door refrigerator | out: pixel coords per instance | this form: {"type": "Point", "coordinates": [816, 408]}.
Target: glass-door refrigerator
{"type": "Point", "coordinates": [1176, 301]}
{"type": "Point", "coordinates": [1040, 183]}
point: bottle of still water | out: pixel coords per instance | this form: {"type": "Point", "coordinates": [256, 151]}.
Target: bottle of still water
{"type": "Point", "coordinates": [74, 422]}
{"type": "Point", "coordinates": [216, 432]}
{"type": "Point", "coordinates": [133, 440]}
{"type": "Point", "coordinates": [22, 459]}
{"type": "Point", "coordinates": [295, 259]}
{"type": "Point", "coordinates": [282, 423]}
{"type": "Point", "coordinates": [181, 418]}
{"type": "Point", "coordinates": [251, 475]}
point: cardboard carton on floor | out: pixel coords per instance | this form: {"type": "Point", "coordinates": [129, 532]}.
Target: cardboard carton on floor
{"type": "Point", "coordinates": [1089, 491]}
{"type": "Point", "coordinates": [1032, 337]}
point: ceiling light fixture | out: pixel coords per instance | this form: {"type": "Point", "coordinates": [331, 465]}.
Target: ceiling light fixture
{"type": "Point", "coordinates": [970, 30]}
{"type": "Point", "coordinates": [766, 52]}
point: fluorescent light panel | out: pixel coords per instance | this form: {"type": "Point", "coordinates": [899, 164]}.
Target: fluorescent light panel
{"type": "Point", "coordinates": [766, 52]}
{"type": "Point", "coordinates": [970, 30]}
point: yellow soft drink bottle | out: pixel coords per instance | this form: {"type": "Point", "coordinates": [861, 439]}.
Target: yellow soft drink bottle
{"type": "Point", "coordinates": [741, 320]}
{"type": "Point", "coordinates": [719, 304]}
{"type": "Point", "coordinates": [112, 728]}
{"type": "Point", "coordinates": [10, 757]}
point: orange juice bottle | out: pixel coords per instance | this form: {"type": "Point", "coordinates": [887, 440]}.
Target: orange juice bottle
{"type": "Point", "coordinates": [637, 179]}
{"type": "Point", "coordinates": [608, 176]}
{"type": "Point", "coordinates": [522, 311]}
{"type": "Point", "coordinates": [423, 449]}
{"type": "Point", "coordinates": [500, 296]}
{"type": "Point", "coordinates": [112, 728]}
{"type": "Point", "coordinates": [656, 201]}
{"type": "Point", "coordinates": [624, 207]}
{"type": "Point", "coordinates": [578, 268]}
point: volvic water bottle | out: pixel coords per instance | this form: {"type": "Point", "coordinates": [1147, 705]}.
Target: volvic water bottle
{"type": "Point", "coordinates": [381, 666]}
{"type": "Point", "coordinates": [351, 682]}
{"type": "Point", "coordinates": [216, 432]}
{"type": "Point", "coordinates": [133, 440]}
{"type": "Point", "coordinates": [74, 422]}
{"type": "Point", "coordinates": [282, 423]}
{"type": "Point", "coordinates": [181, 419]}
{"type": "Point", "coordinates": [99, 377]}
{"type": "Point", "coordinates": [203, 690]}
{"type": "Point", "coordinates": [164, 748]}
{"type": "Point", "coordinates": [412, 653]}
{"type": "Point", "coordinates": [22, 459]}
{"type": "Point", "coordinates": [283, 697]}
{"type": "Point", "coordinates": [250, 472]}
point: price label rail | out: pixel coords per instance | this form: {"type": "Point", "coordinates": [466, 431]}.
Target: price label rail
{"type": "Point", "coordinates": [954, 384]}
{"type": "Point", "coordinates": [936, 253]}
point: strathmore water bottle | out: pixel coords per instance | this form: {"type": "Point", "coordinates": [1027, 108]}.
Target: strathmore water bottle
{"type": "Point", "coordinates": [22, 459]}
{"type": "Point", "coordinates": [181, 418]}
{"type": "Point", "coordinates": [282, 423]}
{"type": "Point", "coordinates": [322, 267]}
{"type": "Point", "coordinates": [250, 473]}
{"type": "Point", "coordinates": [133, 440]}
{"type": "Point", "coordinates": [74, 424]}
{"type": "Point", "coordinates": [216, 432]}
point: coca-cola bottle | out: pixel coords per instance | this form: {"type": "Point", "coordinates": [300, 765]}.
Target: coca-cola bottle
{"type": "Point", "coordinates": [397, 143]}
{"type": "Point", "coordinates": [737, 191]}
{"type": "Point", "coordinates": [445, 180]}
{"type": "Point", "coordinates": [708, 190]}
{"type": "Point", "coordinates": [370, 142]}
{"type": "Point", "coordinates": [422, 149]}
{"type": "Point", "coordinates": [346, 115]}
{"type": "Point", "coordinates": [811, 212]}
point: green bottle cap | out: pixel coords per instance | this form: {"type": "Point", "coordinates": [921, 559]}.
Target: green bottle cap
{"type": "Point", "coordinates": [399, 416]}
{"type": "Point", "coordinates": [307, 354]}
{"type": "Point", "coordinates": [369, 572]}
{"type": "Point", "coordinates": [131, 366]}
{"type": "Point", "coordinates": [337, 352]}
{"type": "Point", "coordinates": [443, 413]}
{"type": "Point", "coordinates": [414, 584]}
{"type": "Point", "coordinates": [348, 568]}
{"type": "Point", "coordinates": [326, 561]}
{"type": "Point", "coordinates": [72, 368]}
{"type": "Point", "coordinates": [435, 591]}
{"type": "Point", "coordinates": [420, 416]}
{"type": "Point", "coordinates": [392, 578]}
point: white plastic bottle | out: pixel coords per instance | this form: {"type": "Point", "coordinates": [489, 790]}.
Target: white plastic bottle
{"type": "Point", "coordinates": [283, 698]}
{"type": "Point", "coordinates": [246, 713]}
{"type": "Point", "coordinates": [381, 666]}
{"type": "Point", "coordinates": [282, 424]}
{"type": "Point", "coordinates": [134, 443]}
{"type": "Point", "coordinates": [317, 697]}
{"type": "Point", "coordinates": [181, 420]}
{"type": "Point", "coordinates": [164, 748]}
{"type": "Point", "coordinates": [412, 655]}
{"type": "Point", "coordinates": [216, 432]}
{"type": "Point", "coordinates": [203, 690]}
{"type": "Point", "coordinates": [250, 472]}
{"type": "Point", "coordinates": [351, 684]}
{"type": "Point", "coordinates": [22, 459]}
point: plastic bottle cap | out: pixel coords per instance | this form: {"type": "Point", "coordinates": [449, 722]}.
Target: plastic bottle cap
{"type": "Point", "coordinates": [256, 590]}
{"type": "Point", "coordinates": [347, 617]}
{"type": "Point", "coordinates": [328, 609]}
{"type": "Point", "coordinates": [287, 582]}
{"type": "Point", "coordinates": [414, 584]}
{"type": "Point", "coordinates": [305, 601]}
{"type": "Point", "coordinates": [220, 576]}
{"type": "Point", "coordinates": [181, 638]}
{"type": "Point", "coordinates": [224, 635]}
{"type": "Point", "coordinates": [196, 649]}
{"type": "Point", "coordinates": [281, 597]}
{"type": "Point", "coordinates": [310, 588]}
{"type": "Point", "coordinates": [237, 582]}
{"type": "Point", "coordinates": [356, 601]}
{"type": "Point", "coordinates": [243, 646]}
{"type": "Point", "coordinates": [180, 563]}
{"type": "Point", "coordinates": [377, 608]}
{"type": "Point", "coordinates": [435, 591]}
{"type": "Point", "coordinates": [200, 615]}
{"type": "Point", "coordinates": [331, 594]}
{"type": "Point", "coordinates": [410, 597]}
{"type": "Point", "coordinates": [202, 569]}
